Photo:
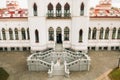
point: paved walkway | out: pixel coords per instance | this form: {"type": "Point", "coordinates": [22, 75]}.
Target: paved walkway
{"type": "Point", "coordinates": [104, 76]}
{"type": "Point", "coordinates": [15, 64]}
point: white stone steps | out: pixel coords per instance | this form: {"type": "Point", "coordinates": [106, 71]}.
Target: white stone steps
{"type": "Point", "coordinates": [59, 70]}
{"type": "Point", "coordinates": [58, 48]}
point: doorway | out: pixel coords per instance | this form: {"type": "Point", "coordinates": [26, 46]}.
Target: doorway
{"type": "Point", "coordinates": [59, 35]}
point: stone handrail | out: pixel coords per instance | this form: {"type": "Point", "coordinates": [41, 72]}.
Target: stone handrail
{"type": "Point", "coordinates": [44, 63]}
{"type": "Point", "coordinates": [73, 62]}
{"type": "Point", "coordinates": [54, 54]}
{"type": "Point", "coordinates": [73, 53]}
{"type": "Point", "coordinates": [79, 60]}
{"type": "Point", "coordinates": [74, 56]}
{"type": "Point", "coordinates": [68, 51]}
{"type": "Point", "coordinates": [40, 54]}
{"type": "Point", "coordinates": [44, 53]}
{"type": "Point", "coordinates": [77, 54]}
{"type": "Point", "coordinates": [50, 71]}
{"type": "Point", "coordinates": [67, 72]}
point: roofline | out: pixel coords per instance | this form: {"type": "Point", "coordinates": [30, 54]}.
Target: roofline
{"type": "Point", "coordinates": [13, 17]}
{"type": "Point", "coordinates": [90, 17]}
{"type": "Point", "coordinates": [104, 16]}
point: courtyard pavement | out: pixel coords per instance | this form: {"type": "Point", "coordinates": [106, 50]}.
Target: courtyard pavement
{"type": "Point", "coordinates": [15, 64]}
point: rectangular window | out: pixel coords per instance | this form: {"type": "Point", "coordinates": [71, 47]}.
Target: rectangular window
{"type": "Point", "coordinates": [100, 48]}
{"type": "Point", "coordinates": [17, 48]}
{"type": "Point", "coordinates": [93, 48]}
{"type": "Point", "coordinates": [105, 48]}
{"type": "Point", "coordinates": [5, 48]}
{"type": "Point", "coordinates": [88, 48]}
{"type": "Point", "coordinates": [117, 48]}
{"type": "Point", "coordinates": [1, 49]}
{"type": "Point", "coordinates": [112, 48]}
{"type": "Point", "coordinates": [12, 48]}
{"type": "Point", "coordinates": [24, 49]}
{"type": "Point", "coordinates": [29, 48]}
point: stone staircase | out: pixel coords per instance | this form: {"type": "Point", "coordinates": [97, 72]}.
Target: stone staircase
{"type": "Point", "coordinates": [59, 70]}
{"type": "Point", "coordinates": [59, 61]}
{"type": "Point", "coordinates": [58, 47]}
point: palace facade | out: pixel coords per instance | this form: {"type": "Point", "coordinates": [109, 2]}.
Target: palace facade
{"type": "Point", "coordinates": [71, 23]}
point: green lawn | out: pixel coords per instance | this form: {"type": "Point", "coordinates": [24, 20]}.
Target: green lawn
{"type": "Point", "coordinates": [115, 74]}
{"type": "Point", "coordinates": [3, 74]}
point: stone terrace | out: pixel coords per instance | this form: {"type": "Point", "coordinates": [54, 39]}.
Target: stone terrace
{"type": "Point", "coordinates": [15, 64]}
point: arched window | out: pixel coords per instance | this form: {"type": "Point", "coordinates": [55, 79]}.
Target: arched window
{"type": "Point", "coordinates": [66, 34]}
{"type": "Point", "coordinates": [23, 34]}
{"type": "Point", "coordinates": [94, 33]}
{"type": "Point", "coordinates": [16, 34]}
{"type": "Point", "coordinates": [28, 34]}
{"type": "Point", "coordinates": [51, 34]}
{"type": "Point", "coordinates": [3, 34]}
{"type": "Point", "coordinates": [80, 35]}
{"type": "Point", "coordinates": [58, 10]}
{"type": "Point", "coordinates": [82, 9]}
{"type": "Point", "coordinates": [10, 34]}
{"type": "Point", "coordinates": [89, 34]}
{"type": "Point", "coordinates": [107, 33]}
{"type": "Point", "coordinates": [101, 33]}
{"type": "Point", "coordinates": [36, 36]}
{"type": "Point", "coordinates": [35, 9]}
{"type": "Point", "coordinates": [66, 10]}
{"type": "Point", "coordinates": [50, 10]}
{"type": "Point", "coordinates": [118, 35]}
{"type": "Point", "coordinates": [114, 33]}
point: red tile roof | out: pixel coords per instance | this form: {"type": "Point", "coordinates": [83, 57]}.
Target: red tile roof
{"type": "Point", "coordinates": [13, 13]}
{"type": "Point", "coordinates": [100, 11]}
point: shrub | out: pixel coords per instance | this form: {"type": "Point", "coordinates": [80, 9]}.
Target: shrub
{"type": "Point", "coordinates": [3, 74]}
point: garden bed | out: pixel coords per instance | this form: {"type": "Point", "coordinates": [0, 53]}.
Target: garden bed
{"type": "Point", "coordinates": [115, 74]}
{"type": "Point", "coordinates": [3, 74]}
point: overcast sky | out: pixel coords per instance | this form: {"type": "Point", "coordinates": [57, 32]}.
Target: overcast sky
{"type": "Point", "coordinates": [23, 3]}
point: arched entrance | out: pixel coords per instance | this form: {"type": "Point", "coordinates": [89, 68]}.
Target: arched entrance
{"type": "Point", "coordinates": [59, 35]}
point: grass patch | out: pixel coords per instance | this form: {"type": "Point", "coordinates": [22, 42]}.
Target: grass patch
{"type": "Point", "coordinates": [3, 74]}
{"type": "Point", "coordinates": [115, 74]}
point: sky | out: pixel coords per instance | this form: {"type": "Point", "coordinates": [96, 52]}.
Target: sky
{"type": "Point", "coordinates": [23, 3]}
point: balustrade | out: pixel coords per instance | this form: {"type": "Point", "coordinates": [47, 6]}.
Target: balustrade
{"type": "Point", "coordinates": [50, 71]}
{"type": "Point", "coordinates": [67, 72]}
{"type": "Point", "coordinates": [58, 16]}
{"type": "Point", "coordinates": [78, 59]}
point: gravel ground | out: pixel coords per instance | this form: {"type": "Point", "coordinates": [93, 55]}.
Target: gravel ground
{"type": "Point", "coordinates": [15, 64]}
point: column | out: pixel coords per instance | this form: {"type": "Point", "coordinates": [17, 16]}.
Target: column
{"type": "Point", "coordinates": [88, 63]}
{"type": "Point", "coordinates": [110, 38]}
{"type": "Point", "coordinates": [110, 34]}
{"type": "Point", "coordinates": [98, 34]}
{"type": "Point", "coordinates": [104, 34]}
{"type": "Point", "coordinates": [116, 34]}
{"type": "Point", "coordinates": [54, 10]}
{"type": "Point", "coordinates": [55, 35]}
{"type": "Point", "coordinates": [91, 34]}
{"type": "Point", "coordinates": [19, 34]}
{"type": "Point", "coordinates": [62, 11]}
{"type": "Point", "coordinates": [97, 38]}
{"type": "Point", "coordinates": [13, 35]}
{"type": "Point", "coordinates": [26, 34]}
{"type": "Point", "coordinates": [1, 36]}
{"type": "Point", "coordinates": [7, 35]}
{"type": "Point", "coordinates": [62, 35]}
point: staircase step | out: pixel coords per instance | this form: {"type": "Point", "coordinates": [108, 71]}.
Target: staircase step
{"type": "Point", "coordinates": [58, 47]}
{"type": "Point", "coordinates": [59, 70]}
